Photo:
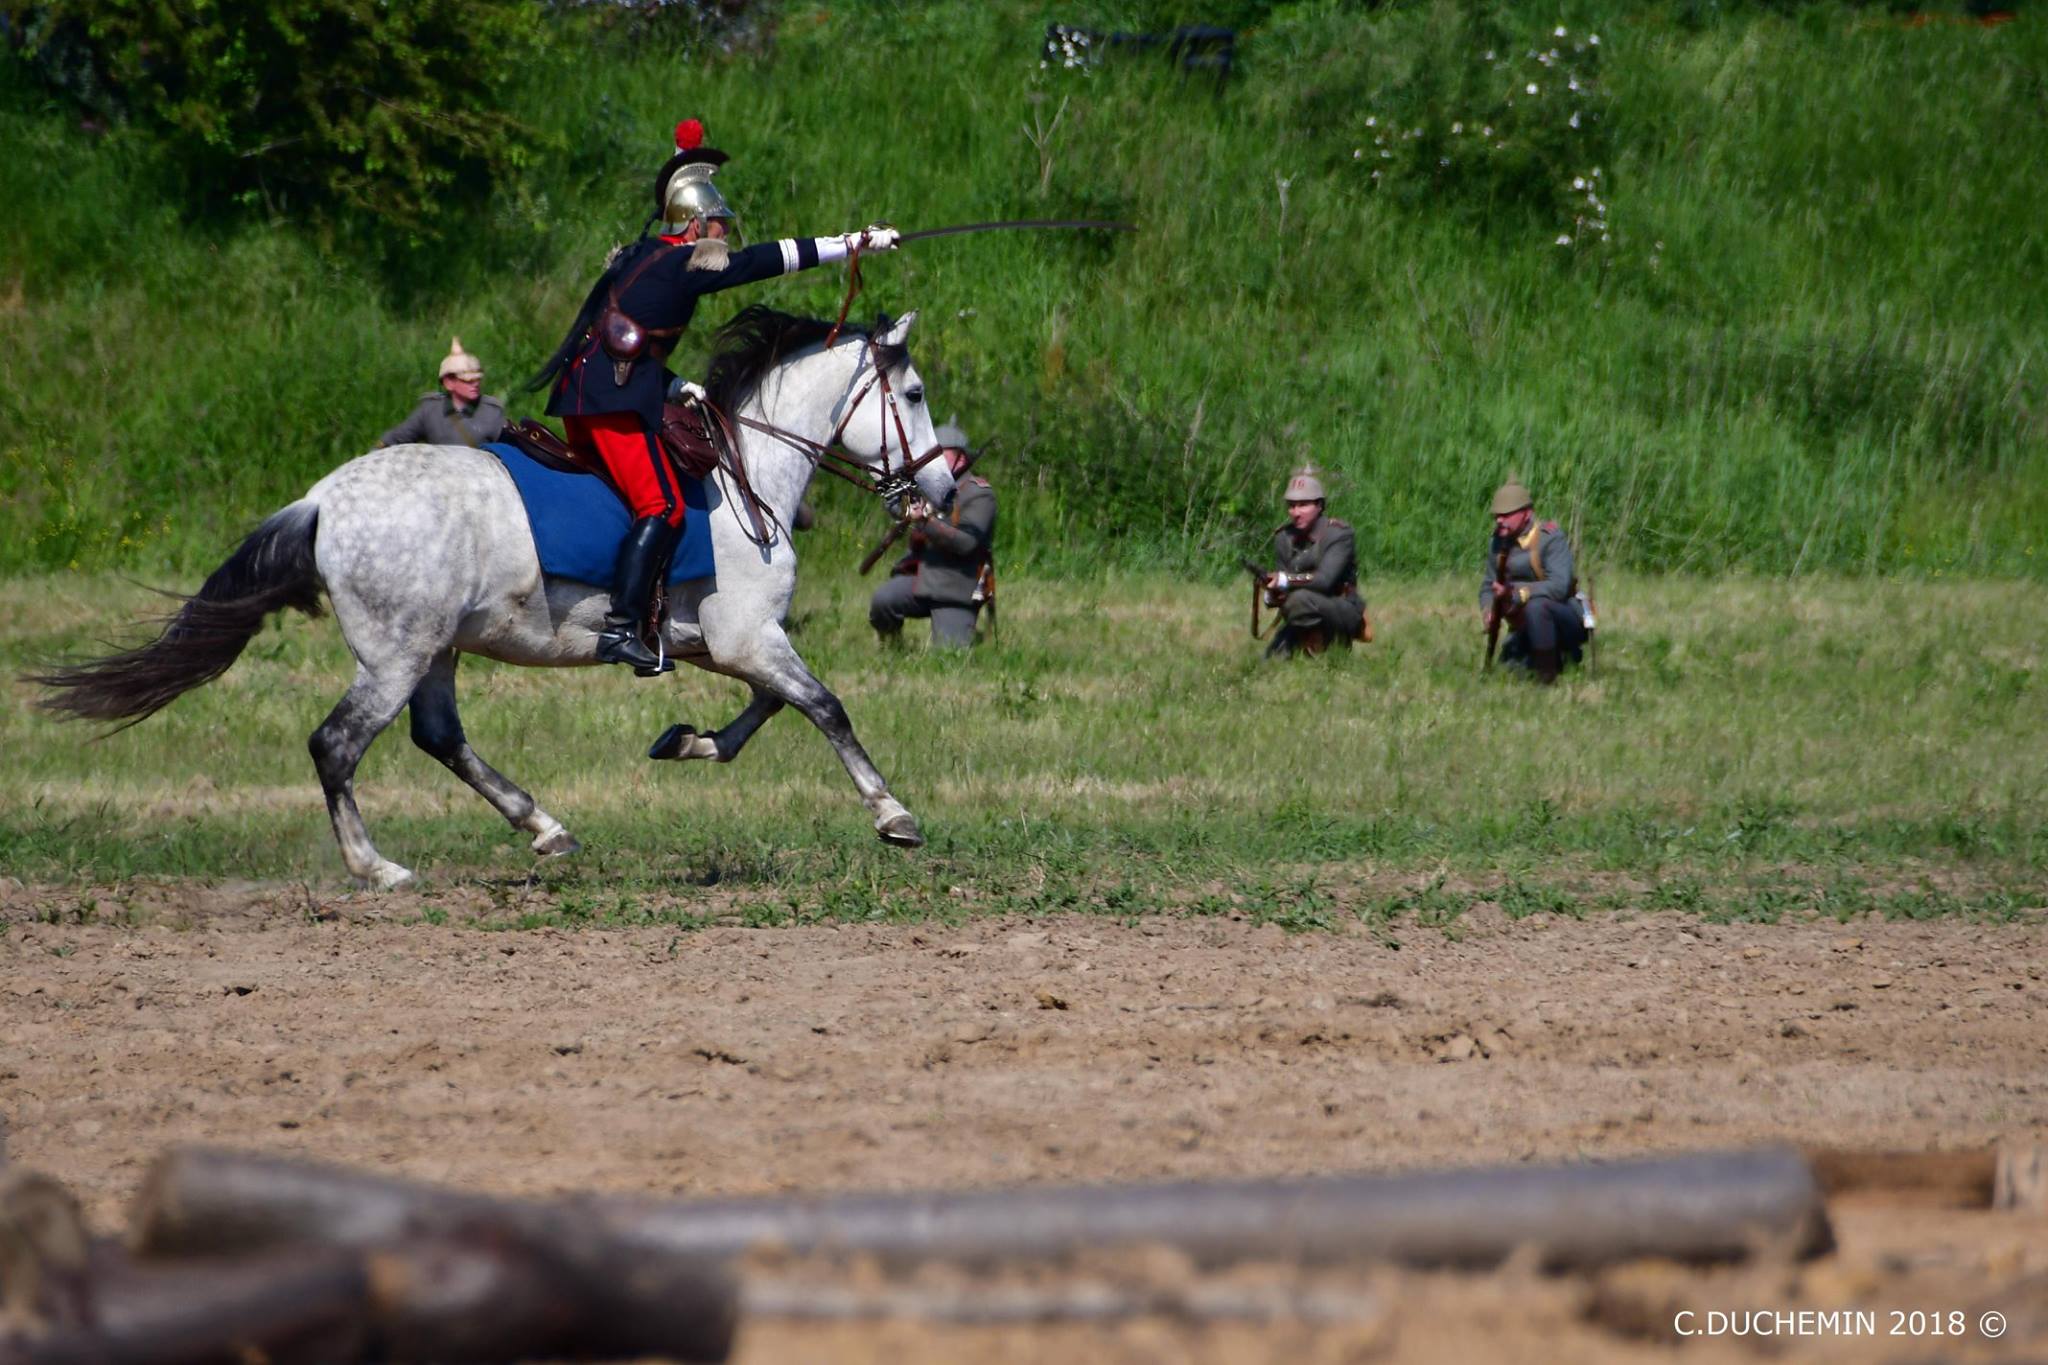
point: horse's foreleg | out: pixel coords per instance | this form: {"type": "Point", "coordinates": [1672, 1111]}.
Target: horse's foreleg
{"type": "Point", "coordinates": [372, 702]}
{"type": "Point", "coordinates": [775, 668]}
{"type": "Point", "coordinates": [720, 746]}
{"type": "Point", "coordinates": [437, 728]}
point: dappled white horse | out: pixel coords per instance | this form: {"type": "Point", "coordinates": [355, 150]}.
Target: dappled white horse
{"type": "Point", "coordinates": [425, 553]}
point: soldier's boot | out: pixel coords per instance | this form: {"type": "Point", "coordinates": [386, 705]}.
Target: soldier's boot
{"type": "Point", "coordinates": [1544, 664]}
{"type": "Point", "coordinates": [643, 556]}
{"type": "Point", "coordinates": [1314, 641]}
{"type": "Point", "coordinates": [1283, 644]}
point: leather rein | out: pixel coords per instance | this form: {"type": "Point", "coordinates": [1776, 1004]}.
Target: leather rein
{"type": "Point", "coordinates": [827, 456]}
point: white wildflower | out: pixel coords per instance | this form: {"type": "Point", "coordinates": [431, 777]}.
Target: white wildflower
{"type": "Point", "coordinates": [1530, 88]}
{"type": "Point", "coordinates": [1357, 152]}
{"type": "Point", "coordinates": [1594, 40]}
{"type": "Point", "coordinates": [1372, 120]}
{"type": "Point", "coordinates": [1557, 32]}
{"type": "Point", "coordinates": [1443, 161]}
{"type": "Point", "coordinates": [1564, 239]}
{"type": "Point", "coordinates": [1578, 182]}
{"type": "Point", "coordinates": [1574, 120]}
{"type": "Point", "coordinates": [1489, 54]}
{"type": "Point", "coordinates": [1487, 131]}
{"type": "Point", "coordinates": [1457, 127]}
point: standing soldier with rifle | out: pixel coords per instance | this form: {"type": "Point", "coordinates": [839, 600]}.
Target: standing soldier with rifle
{"type": "Point", "coordinates": [950, 570]}
{"type": "Point", "coordinates": [1315, 579]}
{"type": "Point", "coordinates": [1532, 586]}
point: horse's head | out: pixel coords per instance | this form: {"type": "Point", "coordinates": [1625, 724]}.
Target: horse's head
{"type": "Point", "coordinates": [889, 426]}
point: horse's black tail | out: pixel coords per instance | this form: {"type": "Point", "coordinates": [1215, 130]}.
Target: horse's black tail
{"type": "Point", "coordinates": [272, 570]}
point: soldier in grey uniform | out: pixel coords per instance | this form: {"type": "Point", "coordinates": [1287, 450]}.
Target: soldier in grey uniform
{"type": "Point", "coordinates": [1536, 586]}
{"type": "Point", "coordinates": [1315, 576]}
{"type": "Point", "coordinates": [457, 413]}
{"type": "Point", "coordinates": [949, 548]}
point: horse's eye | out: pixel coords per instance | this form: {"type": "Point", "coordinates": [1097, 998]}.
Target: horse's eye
{"type": "Point", "coordinates": [915, 395]}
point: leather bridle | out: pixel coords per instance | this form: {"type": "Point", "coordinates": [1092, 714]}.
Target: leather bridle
{"type": "Point", "coordinates": [828, 456]}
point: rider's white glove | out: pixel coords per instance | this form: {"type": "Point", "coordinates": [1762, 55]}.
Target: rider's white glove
{"type": "Point", "coordinates": [876, 238]}
{"type": "Point", "coordinates": [685, 391]}
{"type": "Point", "coordinates": [1280, 581]}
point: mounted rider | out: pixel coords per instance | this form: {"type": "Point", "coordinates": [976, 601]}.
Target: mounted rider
{"type": "Point", "coordinates": [609, 376]}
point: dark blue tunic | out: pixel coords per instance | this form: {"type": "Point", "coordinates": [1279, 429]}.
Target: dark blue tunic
{"type": "Point", "coordinates": [662, 296]}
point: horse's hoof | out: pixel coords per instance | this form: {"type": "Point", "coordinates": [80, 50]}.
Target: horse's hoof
{"type": "Point", "coordinates": [672, 742]}
{"type": "Point", "coordinates": [389, 877]}
{"type": "Point", "coordinates": [901, 830]}
{"type": "Point", "coordinates": [556, 843]}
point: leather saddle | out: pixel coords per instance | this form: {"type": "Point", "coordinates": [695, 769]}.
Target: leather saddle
{"type": "Point", "coordinates": [690, 436]}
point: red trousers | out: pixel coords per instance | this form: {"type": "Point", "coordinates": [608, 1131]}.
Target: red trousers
{"type": "Point", "coordinates": [638, 465]}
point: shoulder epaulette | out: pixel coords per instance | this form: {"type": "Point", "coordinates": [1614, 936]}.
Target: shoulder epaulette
{"type": "Point", "coordinates": [1339, 523]}
{"type": "Point", "coordinates": [1551, 526]}
{"type": "Point", "coordinates": [976, 478]}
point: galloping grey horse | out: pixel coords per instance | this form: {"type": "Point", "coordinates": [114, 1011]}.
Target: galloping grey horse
{"type": "Point", "coordinates": [425, 554]}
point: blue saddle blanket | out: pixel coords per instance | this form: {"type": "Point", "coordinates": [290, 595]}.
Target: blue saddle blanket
{"type": "Point", "coordinates": [578, 521]}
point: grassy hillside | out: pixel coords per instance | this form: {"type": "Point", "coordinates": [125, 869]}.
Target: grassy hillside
{"type": "Point", "coordinates": [1812, 338]}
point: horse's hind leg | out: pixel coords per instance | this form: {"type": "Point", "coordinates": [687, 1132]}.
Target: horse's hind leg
{"type": "Point", "coordinates": [372, 702]}
{"type": "Point", "coordinates": [437, 728]}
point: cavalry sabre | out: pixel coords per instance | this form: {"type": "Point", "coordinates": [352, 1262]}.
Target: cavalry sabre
{"type": "Point", "coordinates": [853, 255]}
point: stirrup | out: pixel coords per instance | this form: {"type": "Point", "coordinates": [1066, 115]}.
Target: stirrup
{"type": "Point", "coordinates": [663, 663]}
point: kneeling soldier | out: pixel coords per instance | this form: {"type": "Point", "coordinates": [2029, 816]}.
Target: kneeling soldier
{"type": "Point", "coordinates": [1315, 578]}
{"type": "Point", "coordinates": [1531, 584]}
{"type": "Point", "coordinates": [949, 572]}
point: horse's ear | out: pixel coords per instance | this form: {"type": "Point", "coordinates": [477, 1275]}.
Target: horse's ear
{"type": "Point", "coordinates": [898, 331]}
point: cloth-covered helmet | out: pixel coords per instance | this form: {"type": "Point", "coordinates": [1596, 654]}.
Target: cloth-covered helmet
{"type": "Point", "coordinates": [1305, 487]}
{"type": "Point", "coordinates": [950, 436]}
{"type": "Point", "coordinates": [460, 363]}
{"type": "Point", "coordinates": [1511, 497]}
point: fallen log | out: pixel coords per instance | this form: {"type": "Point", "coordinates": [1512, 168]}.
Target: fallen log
{"type": "Point", "coordinates": [305, 1306]}
{"type": "Point", "coordinates": [456, 1276]}
{"type": "Point", "coordinates": [1702, 1208]}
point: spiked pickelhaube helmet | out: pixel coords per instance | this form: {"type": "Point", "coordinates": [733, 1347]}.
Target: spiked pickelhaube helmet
{"type": "Point", "coordinates": [1304, 486]}
{"type": "Point", "coordinates": [683, 192]}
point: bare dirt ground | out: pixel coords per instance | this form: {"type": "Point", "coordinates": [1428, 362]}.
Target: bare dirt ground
{"type": "Point", "coordinates": [747, 1060]}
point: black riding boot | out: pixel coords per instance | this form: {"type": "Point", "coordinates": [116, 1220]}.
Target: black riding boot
{"type": "Point", "coordinates": [1544, 664]}
{"type": "Point", "coordinates": [643, 558]}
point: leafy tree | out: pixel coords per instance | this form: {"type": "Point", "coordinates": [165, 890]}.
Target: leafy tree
{"type": "Point", "coordinates": [320, 108]}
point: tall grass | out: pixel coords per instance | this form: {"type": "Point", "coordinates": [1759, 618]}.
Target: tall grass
{"type": "Point", "coordinates": [1812, 342]}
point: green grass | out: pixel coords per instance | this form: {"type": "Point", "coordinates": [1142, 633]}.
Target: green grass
{"type": "Point", "coordinates": [1745, 751]}
{"type": "Point", "coordinates": [1813, 342]}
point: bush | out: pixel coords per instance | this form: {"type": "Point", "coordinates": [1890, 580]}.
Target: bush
{"type": "Point", "coordinates": [316, 108]}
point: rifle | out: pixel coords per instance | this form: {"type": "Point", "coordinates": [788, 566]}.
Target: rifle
{"type": "Point", "coordinates": [1261, 587]}
{"type": "Point", "coordinates": [1498, 610]}
{"type": "Point", "coordinates": [904, 523]}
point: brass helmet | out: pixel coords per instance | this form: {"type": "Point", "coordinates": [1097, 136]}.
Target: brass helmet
{"type": "Point", "coordinates": [1512, 497]}
{"type": "Point", "coordinates": [1305, 486]}
{"type": "Point", "coordinates": [690, 195]}
{"type": "Point", "coordinates": [460, 363]}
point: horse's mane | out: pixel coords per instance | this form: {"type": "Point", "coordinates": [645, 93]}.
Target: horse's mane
{"type": "Point", "coordinates": [759, 336]}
